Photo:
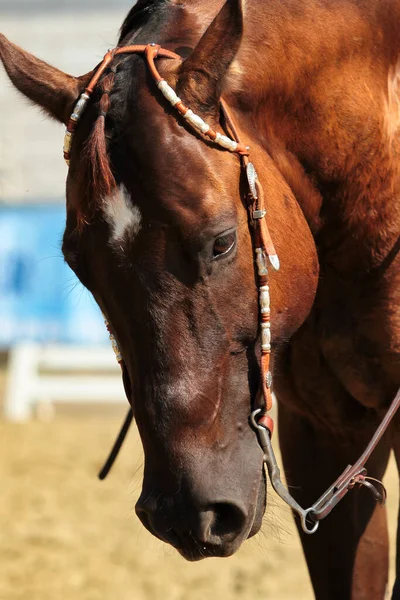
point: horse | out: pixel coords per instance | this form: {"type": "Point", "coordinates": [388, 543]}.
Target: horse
{"type": "Point", "coordinates": [158, 230]}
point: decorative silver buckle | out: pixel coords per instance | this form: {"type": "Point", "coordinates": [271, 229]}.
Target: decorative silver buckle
{"type": "Point", "coordinates": [251, 178]}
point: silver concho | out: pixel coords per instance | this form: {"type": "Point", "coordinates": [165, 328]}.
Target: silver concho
{"type": "Point", "coordinates": [251, 178]}
{"type": "Point", "coordinates": [268, 379]}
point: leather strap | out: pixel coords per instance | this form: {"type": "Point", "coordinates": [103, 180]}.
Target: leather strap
{"type": "Point", "coordinates": [117, 445]}
{"type": "Point", "coordinates": [151, 51]}
{"type": "Point", "coordinates": [352, 476]}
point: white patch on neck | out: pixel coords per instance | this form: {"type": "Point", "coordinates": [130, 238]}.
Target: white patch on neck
{"type": "Point", "coordinates": [393, 102]}
{"type": "Point", "coordinates": [123, 217]}
{"type": "Point", "coordinates": [236, 77]}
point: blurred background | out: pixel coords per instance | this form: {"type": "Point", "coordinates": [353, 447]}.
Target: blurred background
{"type": "Point", "coordinates": [63, 534]}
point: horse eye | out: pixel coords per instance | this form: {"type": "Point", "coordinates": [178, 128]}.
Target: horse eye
{"type": "Point", "coordinates": [224, 244]}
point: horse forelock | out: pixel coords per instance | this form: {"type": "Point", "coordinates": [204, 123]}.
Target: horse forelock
{"type": "Point", "coordinates": [95, 170]}
{"type": "Point", "coordinates": [115, 91]}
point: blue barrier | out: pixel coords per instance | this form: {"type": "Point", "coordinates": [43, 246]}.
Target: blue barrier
{"type": "Point", "coordinates": [40, 297]}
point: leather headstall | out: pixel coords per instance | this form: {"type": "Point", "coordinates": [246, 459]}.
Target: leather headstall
{"type": "Point", "coordinates": [265, 254]}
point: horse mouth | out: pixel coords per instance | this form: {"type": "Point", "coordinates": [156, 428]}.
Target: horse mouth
{"type": "Point", "coordinates": [200, 551]}
{"type": "Point", "coordinates": [192, 549]}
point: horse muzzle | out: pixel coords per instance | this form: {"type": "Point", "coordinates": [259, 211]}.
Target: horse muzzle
{"type": "Point", "coordinates": [215, 528]}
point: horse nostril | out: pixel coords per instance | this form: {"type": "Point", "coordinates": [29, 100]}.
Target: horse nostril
{"type": "Point", "coordinates": [158, 525]}
{"type": "Point", "coordinates": [227, 520]}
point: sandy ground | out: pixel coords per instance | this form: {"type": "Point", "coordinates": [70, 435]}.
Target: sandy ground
{"type": "Point", "coordinates": [66, 536]}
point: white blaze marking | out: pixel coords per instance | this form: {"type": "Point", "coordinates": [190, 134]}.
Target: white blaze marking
{"type": "Point", "coordinates": [123, 217]}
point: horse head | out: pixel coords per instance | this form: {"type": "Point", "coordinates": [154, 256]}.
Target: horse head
{"type": "Point", "coordinates": [158, 231]}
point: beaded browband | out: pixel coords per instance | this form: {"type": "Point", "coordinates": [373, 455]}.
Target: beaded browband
{"type": "Point", "coordinates": [262, 240]}
{"type": "Point", "coordinates": [151, 51]}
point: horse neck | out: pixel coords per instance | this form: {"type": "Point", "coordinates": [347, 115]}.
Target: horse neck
{"type": "Point", "coordinates": [310, 107]}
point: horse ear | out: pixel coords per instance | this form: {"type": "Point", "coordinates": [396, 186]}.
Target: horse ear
{"type": "Point", "coordinates": [55, 91]}
{"type": "Point", "coordinates": [201, 75]}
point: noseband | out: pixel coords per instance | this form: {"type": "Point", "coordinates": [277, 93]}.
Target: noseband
{"type": "Point", "coordinates": [264, 254]}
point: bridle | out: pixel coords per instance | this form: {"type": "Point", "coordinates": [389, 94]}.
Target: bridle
{"type": "Point", "coordinates": [265, 253]}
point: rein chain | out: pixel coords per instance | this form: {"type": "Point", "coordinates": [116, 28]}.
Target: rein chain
{"type": "Point", "coordinates": [264, 252]}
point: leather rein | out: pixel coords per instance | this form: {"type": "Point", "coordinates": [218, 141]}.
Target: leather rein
{"type": "Point", "coordinates": [265, 255]}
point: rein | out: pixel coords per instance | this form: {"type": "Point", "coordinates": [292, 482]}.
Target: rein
{"type": "Point", "coordinates": [264, 254]}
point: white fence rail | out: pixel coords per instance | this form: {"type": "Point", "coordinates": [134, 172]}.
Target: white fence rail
{"type": "Point", "coordinates": [39, 376]}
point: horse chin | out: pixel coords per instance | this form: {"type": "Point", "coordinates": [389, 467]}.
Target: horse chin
{"type": "Point", "coordinates": [194, 555]}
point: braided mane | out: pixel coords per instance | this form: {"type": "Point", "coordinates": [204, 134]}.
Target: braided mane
{"type": "Point", "coordinates": [102, 178]}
